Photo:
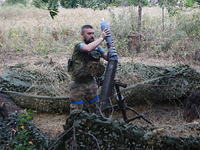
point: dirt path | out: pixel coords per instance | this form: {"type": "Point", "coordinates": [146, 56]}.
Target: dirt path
{"type": "Point", "coordinates": [50, 124]}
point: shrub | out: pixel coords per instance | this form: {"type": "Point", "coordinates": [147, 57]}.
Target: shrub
{"type": "Point", "coordinates": [122, 25]}
{"type": "Point", "coordinates": [189, 3]}
{"type": "Point", "coordinates": [135, 2]}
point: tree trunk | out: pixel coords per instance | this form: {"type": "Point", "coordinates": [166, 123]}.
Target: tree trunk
{"type": "Point", "coordinates": [139, 23]}
{"type": "Point", "coordinates": [139, 15]}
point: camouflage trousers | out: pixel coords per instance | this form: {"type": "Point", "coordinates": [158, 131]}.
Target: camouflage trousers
{"type": "Point", "coordinates": [80, 93]}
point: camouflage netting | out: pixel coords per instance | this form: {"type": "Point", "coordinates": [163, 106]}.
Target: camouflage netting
{"type": "Point", "coordinates": [89, 131]}
{"type": "Point", "coordinates": [9, 137]}
{"type": "Point", "coordinates": [156, 83]}
{"type": "Point", "coordinates": [40, 78]}
{"type": "Point", "coordinates": [48, 84]}
{"type": "Point", "coordinates": [42, 86]}
{"type": "Point", "coordinates": [40, 103]}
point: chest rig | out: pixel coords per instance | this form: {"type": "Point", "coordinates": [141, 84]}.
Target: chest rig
{"type": "Point", "coordinates": [90, 65]}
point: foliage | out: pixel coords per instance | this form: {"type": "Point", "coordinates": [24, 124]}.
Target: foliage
{"type": "Point", "coordinates": [198, 1]}
{"type": "Point", "coordinates": [52, 4]}
{"type": "Point", "coordinates": [191, 26]}
{"type": "Point", "coordinates": [69, 4]}
{"type": "Point", "coordinates": [17, 132]}
{"type": "Point", "coordinates": [53, 13]}
{"type": "Point", "coordinates": [189, 3]}
{"type": "Point", "coordinates": [22, 139]}
{"type": "Point", "coordinates": [122, 25]}
{"type": "Point", "coordinates": [99, 4]}
{"type": "Point", "coordinates": [135, 2]}
{"type": "Point", "coordinates": [39, 3]}
{"type": "Point", "coordinates": [179, 37]}
{"type": "Point", "coordinates": [14, 2]}
{"type": "Point", "coordinates": [94, 4]}
{"type": "Point", "coordinates": [170, 5]}
{"type": "Point", "coordinates": [173, 6]}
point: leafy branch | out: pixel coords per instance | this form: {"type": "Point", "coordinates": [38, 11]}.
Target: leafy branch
{"type": "Point", "coordinates": [53, 12]}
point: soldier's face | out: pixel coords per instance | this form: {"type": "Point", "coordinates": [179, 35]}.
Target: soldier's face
{"type": "Point", "coordinates": [88, 35]}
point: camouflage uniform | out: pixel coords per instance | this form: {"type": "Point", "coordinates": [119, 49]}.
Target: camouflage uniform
{"type": "Point", "coordinates": [84, 67]}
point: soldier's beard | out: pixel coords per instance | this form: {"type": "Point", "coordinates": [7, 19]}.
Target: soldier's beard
{"type": "Point", "coordinates": [88, 41]}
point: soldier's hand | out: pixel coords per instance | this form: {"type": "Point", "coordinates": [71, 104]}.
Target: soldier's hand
{"type": "Point", "coordinates": [111, 53]}
{"type": "Point", "coordinates": [105, 33]}
{"type": "Point", "coordinates": [111, 44]}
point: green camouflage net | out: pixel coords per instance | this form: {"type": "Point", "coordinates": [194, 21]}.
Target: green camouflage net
{"type": "Point", "coordinates": [42, 86]}
{"type": "Point", "coordinates": [156, 83]}
{"type": "Point", "coordinates": [41, 78]}
{"type": "Point", "coordinates": [49, 84]}
{"type": "Point", "coordinates": [89, 131]}
{"type": "Point", "coordinates": [10, 136]}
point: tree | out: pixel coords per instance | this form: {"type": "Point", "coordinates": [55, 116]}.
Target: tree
{"type": "Point", "coordinates": [136, 2]}
{"type": "Point", "coordinates": [139, 22]}
{"type": "Point", "coordinates": [70, 3]}
{"type": "Point", "coordinates": [94, 4]}
{"type": "Point", "coordinates": [173, 6]}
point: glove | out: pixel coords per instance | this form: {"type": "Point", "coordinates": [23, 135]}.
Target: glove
{"type": "Point", "coordinates": [111, 52]}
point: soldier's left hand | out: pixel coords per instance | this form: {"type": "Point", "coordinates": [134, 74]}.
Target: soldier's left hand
{"type": "Point", "coordinates": [111, 44]}
{"type": "Point", "coordinates": [111, 52]}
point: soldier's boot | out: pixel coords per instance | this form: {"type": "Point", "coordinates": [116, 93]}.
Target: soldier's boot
{"type": "Point", "coordinates": [76, 106]}
{"type": "Point", "coordinates": [93, 108]}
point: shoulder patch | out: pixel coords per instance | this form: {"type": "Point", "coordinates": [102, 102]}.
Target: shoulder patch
{"type": "Point", "coordinates": [80, 45]}
{"type": "Point", "coordinates": [101, 50]}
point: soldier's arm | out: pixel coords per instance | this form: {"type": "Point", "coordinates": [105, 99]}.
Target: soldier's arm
{"type": "Point", "coordinates": [104, 55]}
{"type": "Point", "coordinates": [91, 46]}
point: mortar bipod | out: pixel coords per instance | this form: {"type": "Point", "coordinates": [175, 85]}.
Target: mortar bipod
{"type": "Point", "coordinates": [123, 107]}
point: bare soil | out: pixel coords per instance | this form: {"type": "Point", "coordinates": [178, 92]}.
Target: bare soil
{"type": "Point", "coordinates": [162, 117]}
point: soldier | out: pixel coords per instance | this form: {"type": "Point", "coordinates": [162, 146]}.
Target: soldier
{"type": "Point", "coordinates": [84, 66]}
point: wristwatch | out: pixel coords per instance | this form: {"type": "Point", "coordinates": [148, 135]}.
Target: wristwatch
{"type": "Point", "coordinates": [101, 38]}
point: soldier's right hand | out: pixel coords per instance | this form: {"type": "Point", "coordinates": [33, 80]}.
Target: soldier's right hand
{"type": "Point", "coordinates": [105, 33]}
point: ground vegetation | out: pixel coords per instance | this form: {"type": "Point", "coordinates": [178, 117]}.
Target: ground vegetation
{"type": "Point", "coordinates": [29, 34]}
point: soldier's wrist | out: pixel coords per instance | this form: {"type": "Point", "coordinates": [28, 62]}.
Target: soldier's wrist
{"type": "Point", "coordinates": [101, 38]}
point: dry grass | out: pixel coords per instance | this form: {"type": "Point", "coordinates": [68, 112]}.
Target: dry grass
{"type": "Point", "coordinates": [51, 79]}
{"type": "Point", "coordinates": [32, 32]}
